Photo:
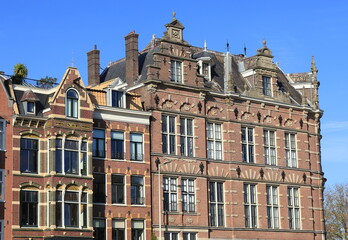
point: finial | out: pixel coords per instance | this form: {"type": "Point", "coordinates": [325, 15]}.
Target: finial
{"type": "Point", "coordinates": [245, 52]}
{"type": "Point", "coordinates": [95, 46]}
{"type": "Point", "coordinates": [264, 42]}
{"type": "Point", "coordinates": [72, 60]}
{"type": "Point", "coordinates": [205, 45]}
{"type": "Point", "coordinates": [173, 16]}
{"type": "Point", "coordinates": [153, 36]}
{"type": "Point", "coordinates": [313, 67]}
{"type": "Point", "coordinates": [227, 46]}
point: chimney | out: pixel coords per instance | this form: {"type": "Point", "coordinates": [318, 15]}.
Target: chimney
{"type": "Point", "coordinates": [132, 63]}
{"type": "Point", "coordinates": [93, 66]}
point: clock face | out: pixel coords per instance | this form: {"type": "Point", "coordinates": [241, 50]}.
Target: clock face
{"type": "Point", "coordinates": [176, 33]}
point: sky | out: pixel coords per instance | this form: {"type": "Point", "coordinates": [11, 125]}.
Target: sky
{"type": "Point", "coordinates": [49, 36]}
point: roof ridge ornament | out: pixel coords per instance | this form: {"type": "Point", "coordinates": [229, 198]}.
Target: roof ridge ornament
{"type": "Point", "coordinates": [313, 66]}
{"type": "Point", "coordinates": [205, 45]}
{"type": "Point", "coordinates": [173, 16]}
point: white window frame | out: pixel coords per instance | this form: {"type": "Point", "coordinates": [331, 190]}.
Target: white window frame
{"type": "Point", "coordinates": [270, 148]}
{"type": "Point", "coordinates": [176, 71]}
{"type": "Point", "coordinates": [135, 222]}
{"type": "Point", "coordinates": [171, 235]}
{"type": "Point", "coordinates": [184, 134]}
{"type": "Point", "coordinates": [216, 204]}
{"type": "Point", "coordinates": [135, 159]}
{"type": "Point", "coordinates": [185, 184]}
{"type": "Point", "coordinates": [294, 208]}
{"type": "Point", "coordinates": [272, 195]}
{"type": "Point", "coordinates": [38, 155]}
{"type": "Point", "coordinates": [3, 135]}
{"type": "Point", "coordinates": [142, 192]}
{"type": "Point", "coordinates": [170, 187]}
{"type": "Point", "coordinates": [291, 150]}
{"type": "Point", "coordinates": [189, 235]}
{"type": "Point", "coordinates": [247, 144]}
{"type": "Point", "coordinates": [267, 89]}
{"type": "Point", "coordinates": [117, 221]}
{"type": "Point", "coordinates": [2, 183]}
{"type": "Point", "coordinates": [38, 207]}
{"type": "Point", "coordinates": [168, 134]}
{"type": "Point", "coordinates": [250, 202]}
{"type": "Point", "coordinates": [77, 106]}
{"type": "Point", "coordinates": [124, 189]}
{"type": "Point", "coordinates": [214, 141]}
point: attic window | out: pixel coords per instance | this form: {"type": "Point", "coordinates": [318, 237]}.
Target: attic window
{"type": "Point", "coordinates": [72, 103]}
{"type": "Point", "coordinates": [30, 107]}
{"type": "Point", "coordinates": [176, 71]}
{"type": "Point", "coordinates": [266, 86]}
{"type": "Point", "coordinates": [206, 70]}
{"type": "Point", "coordinates": [117, 99]}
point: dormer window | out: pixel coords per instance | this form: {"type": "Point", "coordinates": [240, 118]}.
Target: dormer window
{"type": "Point", "coordinates": [117, 99]}
{"type": "Point", "coordinates": [176, 71]}
{"type": "Point", "coordinates": [266, 86]}
{"type": "Point", "coordinates": [72, 103]}
{"type": "Point", "coordinates": [30, 107]}
{"type": "Point", "coordinates": [204, 67]}
{"type": "Point", "coordinates": [206, 70]}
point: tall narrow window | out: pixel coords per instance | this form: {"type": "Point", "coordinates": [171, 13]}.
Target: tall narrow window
{"type": "Point", "coordinates": [117, 99]}
{"type": "Point", "coordinates": [2, 135]}
{"type": "Point", "coordinates": [186, 137]}
{"type": "Point", "coordinates": [59, 208]}
{"type": "Point", "coordinates": [188, 195]}
{"type": "Point", "coordinates": [170, 194]}
{"type": "Point", "coordinates": [250, 210]}
{"type": "Point", "coordinates": [71, 209]}
{"type": "Point", "coordinates": [99, 188]}
{"type": "Point", "coordinates": [72, 103]}
{"type": "Point", "coordinates": [118, 229]}
{"type": "Point", "coordinates": [98, 148]}
{"type": "Point", "coordinates": [136, 146]}
{"type": "Point", "coordinates": [29, 155]}
{"type": "Point", "coordinates": [248, 144]}
{"type": "Point", "coordinates": [290, 150]}
{"type": "Point", "coordinates": [216, 203]}
{"type": "Point", "coordinates": [84, 217]}
{"type": "Point", "coordinates": [71, 157]}
{"type": "Point", "coordinates": [205, 70]}
{"type": "Point", "coordinates": [137, 190]}
{"type": "Point", "coordinates": [1, 229]}
{"type": "Point", "coordinates": [59, 152]}
{"type": "Point", "coordinates": [29, 208]}
{"type": "Point", "coordinates": [294, 208]}
{"type": "Point", "coordinates": [266, 86]}
{"type": "Point", "coordinates": [99, 229]}
{"type": "Point", "coordinates": [269, 147]}
{"type": "Point", "coordinates": [117, 189]}
{"type": "Point", "coordinates": [84, 157]}
{"type": "Point", "coordinates": [170, 236]}
{"type": "Point", "coordinates": [137, 230]}
{"type": "Point", "coordinates": [31, 107]}
{"type": "Point", "coordinates": [272, 207]}
{"type": "Point", "coordinates": [2, 185]}
{"type": "Point", "coordinates": [189, 236]}
{"type": "Point", "coordinates": [117, 145]}
{"type": "Point", "coordinates": [175, 71]}
{"type": "Point", "coordinates": [168, 134]}
{"type": "Point", "coordinates": [214, 144]}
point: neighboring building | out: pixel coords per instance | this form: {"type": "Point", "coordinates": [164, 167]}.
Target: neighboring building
{"type": "Point", "coordinates": [235, 142]}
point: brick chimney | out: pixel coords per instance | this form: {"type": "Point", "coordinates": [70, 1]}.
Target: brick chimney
{"type": "Point", "coordinates": [93, 66]}
{"type": "Point", "coordinates": [132, 62]}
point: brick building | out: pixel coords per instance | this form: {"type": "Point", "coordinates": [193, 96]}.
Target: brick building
{"type": "Point", "coordinates": [235, 141]}
{"type": "Point", "coordinates": [172, 142]}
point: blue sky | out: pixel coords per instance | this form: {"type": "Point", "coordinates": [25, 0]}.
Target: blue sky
{"type": "Point", "coordinates": [47, 35]}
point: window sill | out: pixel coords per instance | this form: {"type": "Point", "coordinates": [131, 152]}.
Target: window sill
{"type": "Point", "coordinates": [138, 205]}
{"type": "Point", "coordinates": [119, 204]}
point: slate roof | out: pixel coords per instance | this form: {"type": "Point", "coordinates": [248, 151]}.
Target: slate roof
{"type": "Point", "coordinates": [40, 105]}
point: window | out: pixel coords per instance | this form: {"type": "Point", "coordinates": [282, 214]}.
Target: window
{"type": "Point", "coordinates": [2, 185]}
{"type": "Point", "coordinates": [186, 137]}
{"type": "Point", "coordinates": [69, 158]}
{"type": "Point", "coordinates": [250, 206]}
{"type": "Point", "coordinates": [29, 208]}
{"type": "Point", "coordinates": [30, 107]}
{"type": "Point", "coordinates": [189, 236]}
{"type": "Point", "coordinates": [175, 71]}
{"type": "Point", "coordinates": [99, 188]}
{"type": "Point", "coordinates": [1, 229]}
{"type": "Point", "coordinates": [247, 144]}
{"type": "Point", "coordinates": [216, 202]}
{"type": "Point", "coordinates": [290, 150]}
{"type": "Point", "coordinates": [71, 209]}
{"type": "Point", "coordinates": [118, 227]}
{"type": "Point", "coordinates": [99, 229]}
{"type": "Point", "coordinates": [2, 135]}
{"type": "Point", "coordinates": [117, 143]}
{"type": "Point", "coordinates": [205, 70]}
{"type": "Point", "coordinates": [136, 146]}
{"type": "Point", "coordinates": [266, 86]}
{"type": "Point", "coordinates": [117, 188]}
{"type": "Point", "coordinates": [98, 147]}
{"type": "Point", "coordinates": [29, 155]}
{"type": "Point", "coordinates": [214, 143]}
{"type": "Point", "coordinates": [137, 230]}
{"type": "Point", "coordinates": [170, 236]}
{"type": "Point", "coordinates": [170, 194]}
{"type": "Point", "coordinates": [137, 190]}
{"type": "Point", "coordinates": [272, 207]}
{"type": "Point", "coordinates": [294, 208]}
{"type": "Point", "coordinates": [117, 99]}
{"type": "Point", "coordinates": [168, 134]}
{"type": "Point", "coordinates": [269, 147]}
{"type": "Point", "coordinates": [72, 103]}
{"type": "Point", "coordinates": [188, 195]}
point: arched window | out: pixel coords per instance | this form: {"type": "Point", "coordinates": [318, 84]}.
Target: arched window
{"type": "Point", "coordinates": [72, 103]}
